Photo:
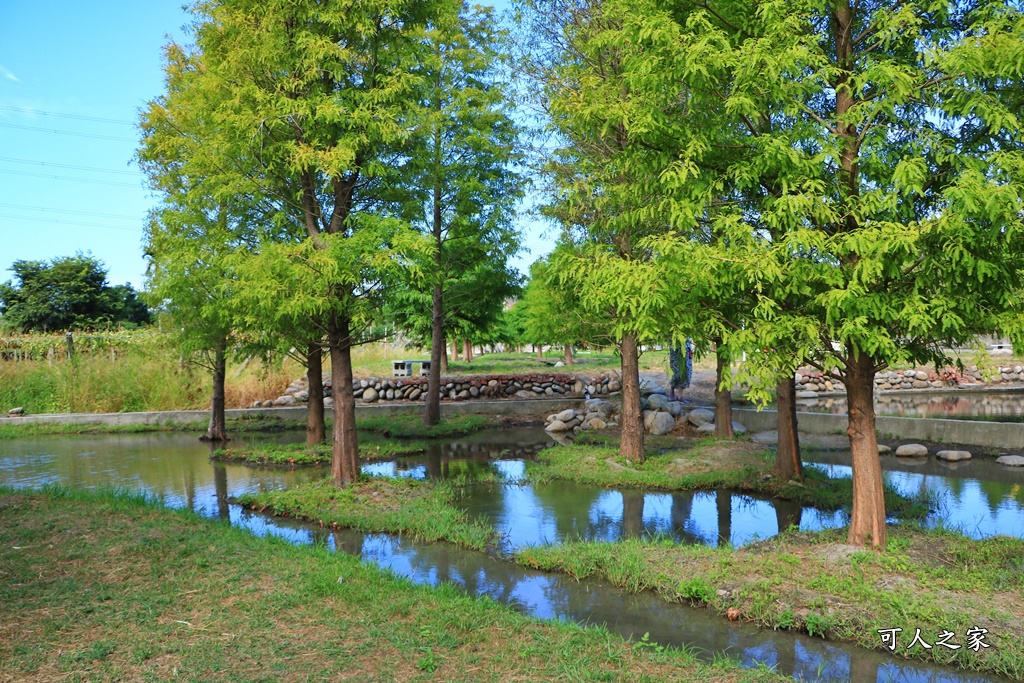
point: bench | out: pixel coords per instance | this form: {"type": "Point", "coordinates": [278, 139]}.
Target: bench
{"type": "Point", "coordinates": [403, 368]}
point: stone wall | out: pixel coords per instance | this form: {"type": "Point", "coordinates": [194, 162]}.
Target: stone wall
{"type": "Point", "coordinates": [413, 389]}
{"type": "Point", "coordinates": [899, 380]}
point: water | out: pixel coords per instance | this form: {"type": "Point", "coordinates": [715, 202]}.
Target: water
{"type": "Point", "coordinates": [176, 468]}
{"type": "Point", "coordinates": [1002, 406]}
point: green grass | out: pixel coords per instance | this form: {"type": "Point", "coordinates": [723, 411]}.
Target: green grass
{"type": "Point", "coordinates": [933, 580]}
{"type": "Point", "coordinates": [411, 426]}
{"type": "Point", "coordinates": [424, 510]}
{"type": "Point", "coordinates": [298, 454]}
{"type": "Point", "coordinates": [673, 465]}
{"type": "Point", "coordinates": [110, 587]}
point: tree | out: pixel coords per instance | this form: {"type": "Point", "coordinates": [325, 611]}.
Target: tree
{"type": "Point", "coordinates": [884, 140]}
{"type": "Point", "coordinates": [67, 293]}
{"type": "Point", "coordinates": [462, 153]}
{"type": "Point", "coordinates": [317, 109]}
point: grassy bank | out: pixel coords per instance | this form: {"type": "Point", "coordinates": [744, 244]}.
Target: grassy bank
{"type": "Point", "coordinates": [112, 588]}
{"type": "Point", "coordinates": [425, 510]}
{"type": "Point", "coordinates": [936, 581]}
{"type": "Point", "coordinates": [299, 454]}
{"type": "Point", "coordinates": [674, 465]}
{"type": "Point", "coordinates": [412, 427]}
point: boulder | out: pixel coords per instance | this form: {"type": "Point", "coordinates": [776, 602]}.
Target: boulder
{"type": "Point", "coordinates": [416, 393]}
{"type": "Point", "coordinates": [884, 450]}
{"type": "Point", "coordinates": [557, 426]}
{"type": "Point", "coordinates": [706, 428]}
{"type": "Point", "coordinates": [565, 415]}
{"type": "Point", "coordinates": [1011, 460]}
{"type": "Point", "coordinates": [658, 422]}
{"type": "Point", "coordinates": [523, 393]}
{"type": "Point", "coordinates": [614, 385]}
{"type": "Point", "coordinates": [20, 410]}
{"type": "Point", "coordinates": [598, 423]}
{"type": "Point", "coordinates": [911, 450]}
{"type": "Point", "coordinates": [953, 456]}
{"type": "Point", "coordinates": [328, 402]}
{"type": "Point", "coordinates": [370, 395]}
{"type": "Point", "coordinates": [738, 429]}
{"type": "Point", "coordinates": [700, 416]}
{"type": "Point", "coordinates": [284, 401]}
{"type": "Point", "coordinates": [657, 401]}
{"type": "Point", "coordinates": [675, 408]}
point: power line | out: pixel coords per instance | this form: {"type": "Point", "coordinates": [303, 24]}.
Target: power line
{"type": "Point", "coordinates": [63, 222]}
{"type": "Point", "coordinates": [79, 117]}
{"type": "Point", "coordinates": [65, 132]}
{"type": "Point", "coordinates": [62, 177]}
{"type": "Point", "coordinates": [24, 207]}
{"type": "Point", "coordinates": [76, 168]}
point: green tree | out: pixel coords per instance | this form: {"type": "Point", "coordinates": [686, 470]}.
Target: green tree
{"type": "Point", "coordinates": [881, 153]}
{"type": "Point", "coordinates": [67, 293]}
{"type": "Point", "coordinates": [318, 97]}
{"type": "Point", "coordinates": [462, 157]}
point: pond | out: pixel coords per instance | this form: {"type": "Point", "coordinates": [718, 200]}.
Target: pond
{"type": "Point", "coordinates": [176, 469]}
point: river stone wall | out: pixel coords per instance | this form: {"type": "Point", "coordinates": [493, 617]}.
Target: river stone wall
{"type": "Point", "coordinates": [900, 380]}
{"type": "Point", "coordinates": [413, 389]}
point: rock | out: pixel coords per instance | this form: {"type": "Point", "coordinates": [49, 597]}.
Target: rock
{"type": "Point", "coordinates": [285, 401]}
{"type": "Point", "coordinates": [953, 456]}
{"type": "Point", "coordinates": [806, 394]}
{"type": "Point", "coordinates": [614, 385]}
{"type": "Point", "coordinates": [706, 428]}
{"type": "Point", "coordinates": [700, 416]}
{"type": "Point", "coordinates": [565, 415]}
{"type": "Point", "coordinates": [20, 410]}
{"type": "Point", "coordinates": [416, 393]}
{"type": "Point", "coordinates": [559, 364]}
{"type": "Point", "coordinates": [657, 401]}
{"type": "Point", "coordinates": [578, 387]}
{"type": "Point", "coordinates": [370, 395]}
{"type": "Point", "coordinates": [1011, 460]}
{"type": "Point", "coordinates": [510, 390]}
{"type": "Point", "coordinates": [492, 383]}
{"type": "Point", "coordinates": [328, 402]}
{"type": "Point", "coordinates": [523, 393]}
{"type": "Point", "coordinates": [538, 389]}
{"type": "Point", "coordinates": [474, 391]}
{"type": "Point", "coordinates": [921, 375]}
{"type": "Point", "coordinates": [660, 423]}
{"type": "Point", "coordinates": [556, 426]}
{"type": "Point", "coordinates": [256, 404]}
{"type": "Point", "coordinates": [883, 449]}
{"type": "Point", "coordinates": [675, 408]}
{"type": "Point", "coordinates": [598, 423]}
{"type": "Point", "coordinates": [462, 395]}
{"type": "Point", "coordinates": [738, 429]}
{"type": "Point", "coordinates": [911, 450]}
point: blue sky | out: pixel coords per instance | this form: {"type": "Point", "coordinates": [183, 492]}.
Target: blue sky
{"type": "Point", "coordinates": [67, 182]}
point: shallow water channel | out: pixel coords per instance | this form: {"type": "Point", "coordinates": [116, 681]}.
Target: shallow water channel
{"type": "Point", "coordinates": [176, 469]}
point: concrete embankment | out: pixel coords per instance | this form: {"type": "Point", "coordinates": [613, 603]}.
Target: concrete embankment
{"type": "Point", "coordinates": [298, 413]}
{"type": "Point", "coordinates": [973, 432]}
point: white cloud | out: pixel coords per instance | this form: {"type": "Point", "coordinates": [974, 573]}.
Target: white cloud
{"type": "Point", "coordinates": [8, 75]}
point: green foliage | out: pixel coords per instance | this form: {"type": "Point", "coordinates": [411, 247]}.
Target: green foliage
{"type": "Point", "coordinates": [551, 312]}
{"type": "Point", "coordinates": [67, 293]}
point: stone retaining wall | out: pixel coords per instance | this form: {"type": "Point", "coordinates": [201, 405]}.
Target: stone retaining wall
{"type": "Point", "coordinates": [901, 380]}
{"type": "Point", "coordinates": [413, 389]}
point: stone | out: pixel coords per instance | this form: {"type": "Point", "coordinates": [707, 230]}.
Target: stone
{"type": "Point", "coordinates": [706, 428]}
{"type": "Point", "coordinates": [657, 401]}
{"type": "Point", "coordinates": [556, 426]}
{"type": "Point", "coordinates": [738, 429]}
{"type": "Point", "coordinates": [884, 450]}
{"type": "Point", "coordinates": [328, 402]}
{"type": "Point", "coordinates": [598, 423]}
{"type": "Point", "coordinates": [285, 401]}
{"type": "Point", "coordinates": [523, 393]}
{"type": "Point", "coordinates": [1011, 460]}
{"type": "Point", "coordinates": [370, 395]}
{"type": "Point", "coordinates": [538, 389]}
{"type": "Point", "coordinates": [492, 383]}
{"type": "Point", "coordinates": [565, 415]}
{"type": "Point", "coordinates": [474, 391]}
{"type": "Point", "coordinates": [389, 395]}
{"type": "Point", "coordinates": [415, 394]}
{"type": "Point", "coordinates": [675, 408]}
{"type": "Point", "coordinates": [614, 385]}
{"type": "Point", "coordinates": [700, 416]}
{"type": "Point", "coordinates": [20, 410]}
{"type": "Point", "coordinates": [578, 387]}
{"type": "Point", "coordinates": [463, 395]}
{"type": "Point", "coordinates": [953, 456]}
{"type": "Point", "coordinates": [921, 375]}
{"type": "Point", "coordinates": [659, 423]}
{"type": "Point", "coordinates": [911, 450]}
{"type": "Point", "coordinates": [549, 392]}
{"type": "Point", "coordinates": [559, 364]}
{"type": "Point", "coordinates": [806, 394]}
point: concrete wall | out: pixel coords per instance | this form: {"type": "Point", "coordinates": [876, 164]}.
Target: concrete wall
{"type": "Point", "coordinates": [973, 432]}
{"type": "Point", "coordinates": [298, 413]}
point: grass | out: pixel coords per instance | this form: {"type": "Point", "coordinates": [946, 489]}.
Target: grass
{"type": "Point", "coordinates": [933, 580]}
{"type": "Point", "coordinates": [423, 510]}
{"type": "Point", "coordinates": [298, 454]}
{"type": "Point", "coordinates": [110, 587]}
{"type": "Point", "coordinates": [411, 426]}
{"type": "Point", "coordinates": [674, 465]}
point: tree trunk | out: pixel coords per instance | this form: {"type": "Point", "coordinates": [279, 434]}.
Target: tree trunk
{"type": "Point", "coordinates": [345, 454]}
{"type": "Point", "coordinates": [467, 351]}
{"type": "Point", "coordinates": [455, 349]}
{"type": "Point", "coordinates": [220, 489]}
{"type": "Point", "coordinates": [444, 358]}
{"type": "Point", "coordinates": [632, 444]}
{"type": "Point", "coordinates": [540, 351]}
{"type": "Point", "coordinates": [632, 514]}
{"type": "Point", "coordinates": [723, 503]}
{"type": "Point", "coordinates": [787, 458]}
{"type": "Point", "coordinates": [867, 522]}
{"type": "Point", "coordinates": [723, 397]}
{"type": "Point", "coordinates": [217, 431]}
{"type": "Point", "coordinates": [568, 354]}
{"type": "Point", "coordinates": [432, 408]}
{"type": "Point", "coordinates": [316, 431]}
